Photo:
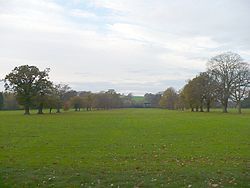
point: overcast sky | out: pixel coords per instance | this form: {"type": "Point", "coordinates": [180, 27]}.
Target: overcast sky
{"type": "Point", "coordinates": [133, 46]}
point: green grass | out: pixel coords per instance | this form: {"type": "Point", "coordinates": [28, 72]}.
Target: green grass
{"type": "Point", "coordinates": [138, 98]}
{"type": "Point", "coordinates": [125, 148]}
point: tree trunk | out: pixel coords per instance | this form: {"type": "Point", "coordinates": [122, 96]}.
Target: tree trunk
{"type": "Point", "coordinates": [40, 109]}
{"type": "Point", "coordinates": [50, 110]}
{"type": "Point", "coordinates": [208, 106]}
{"type": "Point", "coordinates": [224, 106]}
{"type": "Point", "coordinates": [58, 106]}
{"type": "Point", "coordinates": [197, 109]}
{"type": "Point", "coordinates": [192, 109]}
{"type": "Point", "coordinates": [224, 103]}
{"type": "Point", "coordinates": [239, 107]}
{"type": "Point", "coordinates": [27, 110]}
{"type": "Point", "coordinates": [224, 109]}
{"type": "Point", "coordinates": [201, 108]}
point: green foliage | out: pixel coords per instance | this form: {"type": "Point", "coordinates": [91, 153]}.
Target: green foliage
{"type": "Point", "coordinates": [27, 82]}
{"type": "Point", "coordinates": [125, 148]}
{"type": "Point", "coordinates": [77, 102]}
{"type": "Point", "coordinates": [169, 99]}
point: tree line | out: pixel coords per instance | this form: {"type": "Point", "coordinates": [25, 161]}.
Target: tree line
{"type": "Point", "coordinates": [226, 80]}
{"type": "Point", "coordinates": [32, 89]}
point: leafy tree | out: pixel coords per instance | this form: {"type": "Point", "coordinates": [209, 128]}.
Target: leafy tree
{"type": "Point", "coordinates": [66, 106]}
{"type": "Point", "coordinates": [77, 102]}
{"type": "Point", "coordinates": [208, 89]}
{"type": "Point", "coordinates": [42, 97]}
{"type": "Point", "coordinates": [200, 91]}
{"type": "Point", "coordinates": [60, 91]}
{"type": "Point", "coordinates": [199, 86]}
{"type": "Point", "coordinates": [191, 95]}
{"type": "Point", "coordinates": [153, 99]}
{"type": "Point", "coordinates": [180, 103]}
{"type": "Point", "coordinates": [205, 90]}
{"type": "Point", "coordinates": [107, 100]}
{"type": "Point", "coordinates": [51, 102]}
{"type": "Point", "coordinates": [169, 99]}
{"type": "Point", "coordinates": [113, 99]}
{"type": "Point", "coordinates": [68, 95]}
{"type": "Point", "coordinates": [88, 99]}
{"type": "Point", "coordinates": [26, 82]}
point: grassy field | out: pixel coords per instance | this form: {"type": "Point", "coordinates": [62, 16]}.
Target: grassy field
{"type": "Point", "coordinates": [125, 148]}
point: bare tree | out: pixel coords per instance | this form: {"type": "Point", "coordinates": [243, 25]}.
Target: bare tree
{"type": "Point", "coordinates": [241, 84]}
{"type": "Point", "coordinates": [223, 69]}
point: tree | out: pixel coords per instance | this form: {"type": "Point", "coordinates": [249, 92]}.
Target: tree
{"type": "Point", "coordinates": [113, 99]}
{"type": "Point", "coordinates": [223, 69]}
{"type": "Point", "coordinates": [127, 100]}
{"type": "Point", "coordinates": [241, 84]}
{"type": "Point", "coordinates": [59, 91]}
{"type": "Point", "coordinates": [26, 82]}
{"type": "Point", "coordinates": [51, 102]}
{"type": "Point", "coordinates": [192, 95]}
{"type": "Point", "coordinates": [169, 99]}
{"type": "Point", "coordinates": [246, 101]}
{"type": "Point", "coordinates": [180, 103]}
{"type": "Point", "coordinates": [199, 86]}
{"type": "Point", "coordinates": [43, 94]}
{"type": "Point", "coordinates": [1, 101]}
{"type": "Point", "coordinates": [87, 99]}
{"type": "Point", "coordinates": [206, 89]}
{"type": "Point", "coordinates": [77, 102]}
{"type": "Point", "coordinates": [10, 102]}
{"type": "Point", "coordinates": [153, 99]}
{"type": "Point", "coordinates": [68, 95]}
{"type": "Point", "coordinates": [107, 100]}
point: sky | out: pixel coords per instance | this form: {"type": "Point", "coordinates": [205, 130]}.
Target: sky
{"type": "Point", "coordinates": [136, 46]}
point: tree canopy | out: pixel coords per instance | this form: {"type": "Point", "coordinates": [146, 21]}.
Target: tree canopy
{"type": "Point", "coordinates": [27, 82]}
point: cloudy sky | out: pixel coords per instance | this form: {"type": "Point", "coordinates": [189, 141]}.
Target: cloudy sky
{"type": "Point", "coordinates": [133, 46]}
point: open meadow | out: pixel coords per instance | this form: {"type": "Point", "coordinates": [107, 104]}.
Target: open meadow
{"type": "Point", "coordinates": [125, 148]}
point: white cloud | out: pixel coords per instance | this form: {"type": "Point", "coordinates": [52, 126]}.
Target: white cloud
{"type": "Point", "coordinates": [127, 44]}
{"type": "Point", "coordinates": [83, 14]}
